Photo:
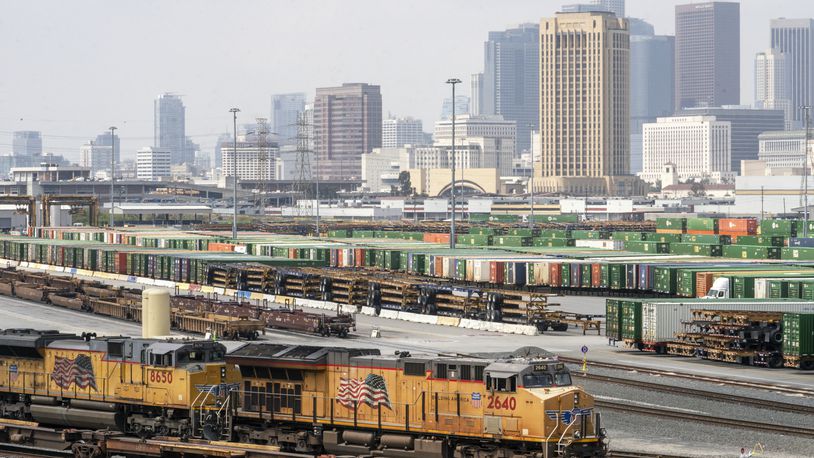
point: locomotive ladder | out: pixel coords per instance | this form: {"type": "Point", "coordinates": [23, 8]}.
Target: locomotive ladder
{"type": "Point", "coordinates": [199, 413]}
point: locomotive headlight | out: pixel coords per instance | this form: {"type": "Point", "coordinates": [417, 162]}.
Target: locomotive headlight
{"type": "Point", "coordinates": [577, 435]}
{"type": "Point", "coordinates": [223, 373]}
{"type": "Point", "coordinates": [576, 398]}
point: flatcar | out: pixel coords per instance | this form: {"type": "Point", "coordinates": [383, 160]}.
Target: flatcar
{"type": "Point", "coordinates": [358, 402]}
{"type": "Point", "coordinates": [139, 386]}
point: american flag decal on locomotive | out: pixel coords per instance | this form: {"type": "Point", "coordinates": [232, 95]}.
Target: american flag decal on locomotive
{"type": "Point", "coordinates": [69, 371]}
{"type": "Point", "coordinates": [371, 391]}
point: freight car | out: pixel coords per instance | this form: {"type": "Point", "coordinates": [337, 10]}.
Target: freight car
{"type": "Point", "coordinates": [304, 399]}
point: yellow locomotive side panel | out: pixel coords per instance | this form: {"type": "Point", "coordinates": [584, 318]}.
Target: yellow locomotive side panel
{"type": "Point", "coordinates": [20, 375]}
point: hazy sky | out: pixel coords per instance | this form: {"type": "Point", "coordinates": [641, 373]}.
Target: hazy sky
{"type": "Point", "coordinates": [73, 68]}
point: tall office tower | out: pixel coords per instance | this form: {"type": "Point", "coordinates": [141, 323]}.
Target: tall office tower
{"type": "Point", "coordinates": [746, 124]}
{"type": "Point", "coordinates": [461, 106]}
{"type": "Point", "coordinates": [585, 104]}
{"type": "Point", "coordinates": [96, 157]}
{"type": "Point", "coordinates": [397, 132]}
{"type": "Point", "coordinates": [795, 38]}
{"type": "Point", "coordinates": [616, 7]}
{"type": "Point", "coordinates": [652, 83]}
{"type": "Point", "coordinates": [511, 79]}
{"type": "Point", "coordinates": [707, 62]}
{"type": "Point", "coordinates": [285, 111]}
{"type": "Point", "coordinates": [170, 127]}
{"type": "Point", "coordinates": [104, 139]}
{"type": "Point", "coordinates": [476, 98]}
{"type": "Point", "coordinates": [153, 164]}
{"type": "Point", "coordinates": [347, 124]}
{"type": "Point", "coordinates": [772, 81]}
{"type": "Point", "coordinates": [27, 143]}
{"type": "Point", "coordinates": [217, 155]}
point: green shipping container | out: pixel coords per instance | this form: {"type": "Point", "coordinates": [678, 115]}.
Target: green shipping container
{"type": "Point", "coordinates": [613, 319]}
{"type": "Point", "coordinates": [778, 241]}
{"type": "Point", "coordinates": [512, 240]}
{"type": "Point", "coordinates": [540, 241]}
{"type": "Point", "coordinates": [561, 218]}
{"type": "Point", "coordinates": [656, 237]}
{"type": "Point", "coordinates": [632, 320]}
{"type": "Point", "coordinates": [702, 224]}
{"type": "Point", "coordinates": [778, 289]}
{"type": "Point", "coordinates": [706, 239]}
{"type": "Point", "coordinates": [697, 249]}
{"type": "Point", "coordinates": [628, 236]}
{"type": "Point", "coordinates": [803, 254]}
{"type": "Point", "coordinates": [672, 224]}
{"type": "Point", "coordinates": [751, 252]}
{"type": "Point", "coordinates": [779, 227]}
{"type": "Point", "coordinates": [798, 334]}
{"type": "Point", "coordinates": [553, 233]}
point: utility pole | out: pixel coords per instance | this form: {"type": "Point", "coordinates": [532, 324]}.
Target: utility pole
{"type": "Point", "coordinates": [453, 82]}
{"type": "Point", "coordinates": [112, 171]}
{"type": "Point", "coordinates": [234, 112]}
{"type": "Point", "coordinates": [807, 110]}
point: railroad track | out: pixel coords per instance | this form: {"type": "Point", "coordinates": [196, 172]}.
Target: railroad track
{"type": "Point", "coordinates": [27, 451]}
{"type": "Point", "coordinates": [634, 454]}
{"type": "Point", "coordinates": [713, 395]}
{"type": "Point", "coordinates": [703, 378]}
{"type": "Point", "coordinates": [704, 418]}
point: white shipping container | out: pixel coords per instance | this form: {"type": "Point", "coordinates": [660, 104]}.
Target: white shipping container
{"type": "Point", "coordinates": [602, 244]}
{"type": "Point", "coordinates": [481, 271]}
{"type": "Point", "coordinates": [662, 320]}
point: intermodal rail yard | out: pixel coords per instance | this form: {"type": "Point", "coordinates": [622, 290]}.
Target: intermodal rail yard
{"type": "Point", "coordinates": [689, 336]}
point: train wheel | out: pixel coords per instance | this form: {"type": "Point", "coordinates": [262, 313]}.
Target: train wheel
{"type": "Point", "coordinates": [807, 364]}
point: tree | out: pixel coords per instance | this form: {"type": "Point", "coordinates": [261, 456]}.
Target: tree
{"type": "Point", "coordinates": [405, 186]}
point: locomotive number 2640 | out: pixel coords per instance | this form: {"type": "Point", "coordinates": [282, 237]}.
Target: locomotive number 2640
{"type": "Point", "coordinates": [497, 402]}
{"type": "Point", "coordinates": [160, 376]}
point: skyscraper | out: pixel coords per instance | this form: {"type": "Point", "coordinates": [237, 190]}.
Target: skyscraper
{"type": "Point", "coordinates": [461, 106]}
{"type": "Point", "coordinates": [772, 81]}
{"type": "Point", "coordinates": [707, 59]}
{"type": "Point", "coordinates": [747, 123]}
{"type": "Point", "coordinates": [795, 38]}
{"type": "Point", "coordinates": [511, 79]}
{"type": "Point", "coordinates": [285, 111]}
{"type": "Point", "coordinates": [170, 128]}
{"type": "Point", "coordinates": [652, 84]}
{"type": "Point", "coordinates": [616, 7]}
{"type": "Point", "coordinates": [476, 98]}
{"type": "Point", "coordinates": [27, 143]}
{"type": "Point", "coordinates": [347, 124]}
{"type": "Point", "coordinates": [104, 139]}
{"type": "Point", "coordinates": [584, 109]}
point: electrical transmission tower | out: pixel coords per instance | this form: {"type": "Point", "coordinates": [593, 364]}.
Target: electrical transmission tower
{"type": "Point", "coordinates": [304, 175]}
{"type": "Point", "coordinates": [265, 157]}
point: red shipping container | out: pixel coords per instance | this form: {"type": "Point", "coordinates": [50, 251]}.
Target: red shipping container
{"type": "Point", "coordinates": [122, 258]}
{"type": "Point", "coordinates": [439, 266]}
{"type": "Point", "coordinates": [555, 274]}
{"type": "Point", "coordinates": [497, 270]}
{"type": "Point", "coordinates": [742, 226]}
{"type": "Point", "coordinates": [596, 275]}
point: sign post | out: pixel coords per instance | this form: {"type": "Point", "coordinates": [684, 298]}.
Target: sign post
{"type": "Point", "coordinates": [584, 350]}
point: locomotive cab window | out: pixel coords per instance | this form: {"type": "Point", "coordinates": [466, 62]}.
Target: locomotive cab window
{"type": "Point", "coordinates": [414, 369]}
{"type": "Point", "coordinates": [507, 384]}
{"type": "Point", "coordinates": [163, 359]}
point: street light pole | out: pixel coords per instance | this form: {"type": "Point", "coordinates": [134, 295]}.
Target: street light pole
{"type": "Point", "coordinates": [806, 110]}
{"type": "Point", "coordinates": [453, 82]}
{"type": "Point", "coordinates": [112, 172]}
{"type": "Point", "coordinates": [234, 112]}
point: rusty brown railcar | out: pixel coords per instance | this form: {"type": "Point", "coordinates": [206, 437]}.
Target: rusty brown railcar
{"type": "Point", "coordinates": [71, 300]}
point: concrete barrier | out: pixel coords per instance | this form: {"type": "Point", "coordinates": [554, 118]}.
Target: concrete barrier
{"type": "Point", "coordinates": [389, 314]}
{"type": "Point", "coordinates": [255, 296]}
{"type": "Point", "coordinates": [368, 311]}
{"type": "Point", "coordinates": [448, 321]}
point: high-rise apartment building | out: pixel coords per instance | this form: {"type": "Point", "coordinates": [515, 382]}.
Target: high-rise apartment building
{"type": "Point", "coordinates": [772, 82]}
{"type": "Point", "coordinates": [795, 39]}
{"type": "Point", "coordinates": [347, 124]}
{"type": "Point", "coordinates": [397, 132]}
{"type": "Point", "coordinates": [511, 79]}
{"type": "Point", "coordinates": [476, 98]}
{"type": "Point", "coordinates": [584, 104]}
{"type": "Point", "coordinates": [285, 113]}
{"type": "Point", "coordinates": [96, 157]}
{"type": "Point", "coordinates": [652, 83]}
{"type": "Point", "coordinates": [746, 124]}
{"type": "Point", "coordinates": [255, 160]}
{"type": "Point", "coordinates": [698, 147]}
{"type": "Point", "coordinates": [153, 164]}
{"type": "Point", "coordinates": [616, 7]}
{"type": "Point", "coordinates": [707, 59]}
{"type": "Point", "coordinates": [27, 143]}
{"type": "Point", "coordinates": [170, 128]}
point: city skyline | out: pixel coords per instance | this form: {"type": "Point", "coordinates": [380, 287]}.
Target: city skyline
{"type": "Point", "coordinates": [67, 114]}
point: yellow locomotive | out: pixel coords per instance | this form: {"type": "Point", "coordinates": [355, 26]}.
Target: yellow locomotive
{"type": "Point", "coordinates": [138, 386]}
{"type": "Point", "coordinates": [358, 402]}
